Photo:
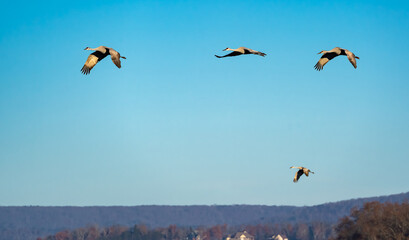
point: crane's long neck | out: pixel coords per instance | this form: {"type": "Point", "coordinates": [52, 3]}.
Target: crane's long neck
{"type": "Point", "coordinates": [100, 49]}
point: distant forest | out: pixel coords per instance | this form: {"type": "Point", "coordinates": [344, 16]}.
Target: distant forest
{"type": "Point", "coordinates": [374, 220]}
{"type": "Point", "coordinates": [31, 222]}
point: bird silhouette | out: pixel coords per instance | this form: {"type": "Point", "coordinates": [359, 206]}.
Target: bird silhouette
{"type": "Point", "coordinates": [100, 53]}
{"type": "Point", "coordinates": [241, 51]}
{"type": "Point", "coordinates": [335, 52]}
{"type": "Point", "coordinates": [300, 172]}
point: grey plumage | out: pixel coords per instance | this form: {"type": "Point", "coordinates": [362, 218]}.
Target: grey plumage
{"type": "Point", "coordinates": [335, 52]}
{"type": "Point", "coordinates": [241, 51]}
{"type": "Point", "coordinates": [300, 172]}
{"type": "Point", "coordinates": [100, 53]}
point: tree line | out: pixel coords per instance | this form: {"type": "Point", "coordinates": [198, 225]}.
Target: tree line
{"type": "Point", "coordinates": [374, 221]}
{"type": "Point", "coordinates": [173, 232]}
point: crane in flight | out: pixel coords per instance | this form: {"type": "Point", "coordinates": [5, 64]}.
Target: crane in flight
{"type": "Point", "coordinates": [300, 172]}
{"type": "Point", "coordinates": [241, 51]}
{"type": "Point", "coordinates": [100, 53]}
{"type": "Point", "coordinates": [335, 52]}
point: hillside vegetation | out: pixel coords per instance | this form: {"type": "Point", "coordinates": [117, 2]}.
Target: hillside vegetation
{"type": "Point", "coordinates": [33, 221]}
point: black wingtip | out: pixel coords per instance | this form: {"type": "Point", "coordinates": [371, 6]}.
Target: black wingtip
{"type": "Point", "coordinates": [318, 67]}
{"type": "Point", "coordinates": [85, 70]}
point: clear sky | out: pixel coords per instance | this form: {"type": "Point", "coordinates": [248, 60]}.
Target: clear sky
{"type": "Point", "coordinates": [176, 125]}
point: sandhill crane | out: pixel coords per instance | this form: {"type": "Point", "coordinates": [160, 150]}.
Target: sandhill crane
{"type": "Point", "coordinates": [335, 52]}
{"type": "Point", "coordinates": [240, 51]}
{"type": "Point", "coordinates": [100, 53]}
{"type": "Point", "coordinates": [300, 172]}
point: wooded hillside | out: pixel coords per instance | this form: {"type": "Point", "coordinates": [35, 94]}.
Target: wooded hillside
{"type": "Point", "coordinates": [30, 221]}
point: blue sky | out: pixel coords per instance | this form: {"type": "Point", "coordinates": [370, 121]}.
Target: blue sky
{"type": "Point", "coordinates": [178, 126]}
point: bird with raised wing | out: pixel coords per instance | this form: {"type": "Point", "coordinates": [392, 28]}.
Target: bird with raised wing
{"type": "Point", "coordinates": [335, 52]}
{"type": "Point", "coordinates": [241, 51]}
{"type": "Point", "coordinates": [100, 53]}
{"type": "Point", "coordinates": [300, 172]}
